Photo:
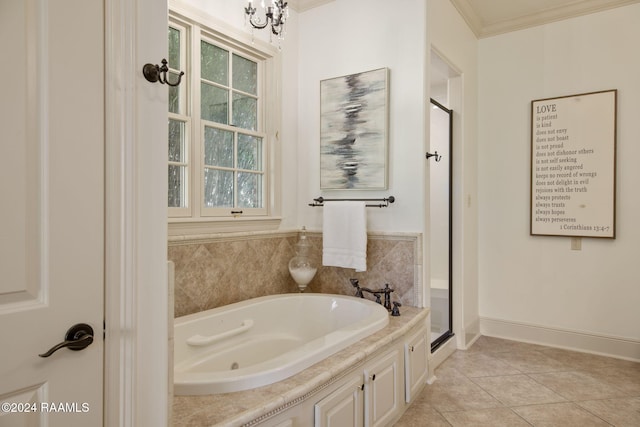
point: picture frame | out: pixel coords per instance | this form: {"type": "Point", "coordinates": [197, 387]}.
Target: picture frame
{"type": "Point", "coordinates": [573, 165]}
{"type": "Point", "coordinates": [354, 122]}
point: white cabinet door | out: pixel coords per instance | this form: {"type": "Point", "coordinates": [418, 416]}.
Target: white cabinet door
{"type": "Point", "coordinates": [383, 382]}
{"type": "Point", "coordinates": [342, 408]}
{"type": "Point", "coordinates": [415, 364]}
{"type": "Point", "coordinates": [52, 210]}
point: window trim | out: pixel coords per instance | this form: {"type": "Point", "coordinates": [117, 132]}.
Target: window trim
{"type": "Point", "coordinates": [268, 57]}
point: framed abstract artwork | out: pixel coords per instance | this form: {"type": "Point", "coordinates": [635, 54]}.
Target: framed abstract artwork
{"type": "Point", "coordinates": [354, 120]}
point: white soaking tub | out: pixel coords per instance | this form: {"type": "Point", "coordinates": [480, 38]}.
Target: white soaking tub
{"type": "Point", "coordinates": [263, 340]}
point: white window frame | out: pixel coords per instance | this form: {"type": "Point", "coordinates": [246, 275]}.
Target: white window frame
{"type": "Point", "coordinates": [218, 211]}
{"type": "Point", "coordinates": [195, 218]}
{"type": "Point", "coordinates": [185, 117]}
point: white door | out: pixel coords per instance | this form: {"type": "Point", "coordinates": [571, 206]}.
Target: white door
{"type": "Point", "coordinates": [51, 210]}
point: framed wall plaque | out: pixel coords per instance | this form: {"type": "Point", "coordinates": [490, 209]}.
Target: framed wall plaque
{"type": "Point", "coordinates": [573, 165]}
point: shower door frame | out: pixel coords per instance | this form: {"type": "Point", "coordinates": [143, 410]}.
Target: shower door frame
{"type": "Point", "coordinates": [435, 344]}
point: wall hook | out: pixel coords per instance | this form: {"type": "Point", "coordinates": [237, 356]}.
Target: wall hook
{"type": "Point", "coordinates": [435, 154]}
{"type": "Point", "coordinates": [156, 73]}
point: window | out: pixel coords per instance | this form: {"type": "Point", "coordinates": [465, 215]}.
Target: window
{"type": "Point", "coordinates": [218, 158]}
{"type": "Point", "coordinates": [179, 125]}
{"type": "Point", "coordinates": [233, 167]}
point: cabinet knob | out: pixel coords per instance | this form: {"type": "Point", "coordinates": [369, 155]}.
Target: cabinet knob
{"type": "Point", "coordinates": [373, 377]}
{"type": "Point", "coordinates": [411, 348]}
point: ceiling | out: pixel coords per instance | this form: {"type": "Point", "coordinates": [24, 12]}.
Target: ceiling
{"type": "Point", "coordinates": [490, 17]}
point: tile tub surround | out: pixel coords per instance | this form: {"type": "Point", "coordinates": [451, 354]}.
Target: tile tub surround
{"type": "Point", "coordinates": [499, 382]}
{"type": "Point", "coordinates": [245, 407]}
{"type": "Point", "coordinates": [216, 270]}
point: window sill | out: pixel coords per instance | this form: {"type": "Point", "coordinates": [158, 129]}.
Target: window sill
{"type": "Point", "coordinates": [189, 229]}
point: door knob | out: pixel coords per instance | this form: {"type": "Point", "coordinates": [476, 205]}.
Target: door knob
{"type": "Point", "coordinates": [78, 337]}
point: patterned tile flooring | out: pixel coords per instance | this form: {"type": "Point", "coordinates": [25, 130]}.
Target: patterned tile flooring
{"type": "Point", "coordinates": [506, 383]}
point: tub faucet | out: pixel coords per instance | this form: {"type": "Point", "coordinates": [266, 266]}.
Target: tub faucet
{"type": "Point", "coordinates": [376, 293]}
{"type": "Point", "coordinates": [395, 311]}
{"type": "Point", "coordinates": [359, 290]}
{"type": "Point", "coordinates": [387, 296]}
{"type": "Point", "coordinates": [355, 284]}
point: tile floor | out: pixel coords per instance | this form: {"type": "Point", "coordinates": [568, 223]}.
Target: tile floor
{"type": "Point", "coordinates": [506, 383]}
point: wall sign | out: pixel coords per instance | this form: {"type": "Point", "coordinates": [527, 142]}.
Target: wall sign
{"type": "Point", "coordinates": [573, 165]}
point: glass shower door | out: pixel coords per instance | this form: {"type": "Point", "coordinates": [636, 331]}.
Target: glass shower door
{"type": "Point", "coordinates": [440, 214]}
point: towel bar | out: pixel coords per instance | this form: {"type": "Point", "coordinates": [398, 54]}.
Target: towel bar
{"type": "Point", "coordinates": [385, 201]}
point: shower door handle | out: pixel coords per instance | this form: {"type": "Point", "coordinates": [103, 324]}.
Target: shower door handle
{"type": "Point", "coordinates": [78, 337]}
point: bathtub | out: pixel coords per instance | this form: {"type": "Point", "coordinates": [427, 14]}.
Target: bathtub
{"type": "Point", "coordinates": [263, 340]}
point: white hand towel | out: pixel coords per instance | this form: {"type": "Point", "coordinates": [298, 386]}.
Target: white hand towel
{"type": "Point", "coordinates": [344, 235]}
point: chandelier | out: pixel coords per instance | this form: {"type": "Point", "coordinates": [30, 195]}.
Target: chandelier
{"type": "Point", "coordinates": [276, 14]}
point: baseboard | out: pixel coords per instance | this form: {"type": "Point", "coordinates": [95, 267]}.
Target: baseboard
{"type": "Point", "coordinates": [618, 347]}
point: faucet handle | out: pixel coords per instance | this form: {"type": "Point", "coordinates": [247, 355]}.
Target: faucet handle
{"type": "Point", "coordinates": [378, 300]}
{"type": "Point", "coordinates": [396, 311]}
{"type": "Point", "coordinates": [356, 284]}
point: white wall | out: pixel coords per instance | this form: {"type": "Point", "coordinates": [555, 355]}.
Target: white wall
{"type": "Point", "coordinates": [350, 36]}
{"type": "Point", "coordinates": [535, 280]}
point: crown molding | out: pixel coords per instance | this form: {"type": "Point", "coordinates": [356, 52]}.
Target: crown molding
{"type": "Point", "coordinates": [470, 16]}
{"type": "Point", "coordinates": [570, 10]}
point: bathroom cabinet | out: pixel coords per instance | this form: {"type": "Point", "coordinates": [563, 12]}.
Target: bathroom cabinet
{"type": "Point", "coordinates": [377, 394]}
{"type": "Point", "coordinates": [370, 398]}
{"type": "Point", "coordinates": [343, 407]}
{"type": "Point", "coordinates": [416, 352]}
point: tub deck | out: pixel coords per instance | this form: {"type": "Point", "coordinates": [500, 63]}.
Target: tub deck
{"type": "Point", "coordinates": [239, 408]}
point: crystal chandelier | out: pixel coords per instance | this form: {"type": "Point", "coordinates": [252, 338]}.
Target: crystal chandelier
{"type": "Point", "coordinates": [276, 14]}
